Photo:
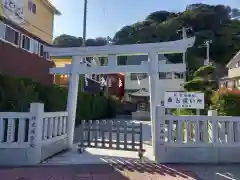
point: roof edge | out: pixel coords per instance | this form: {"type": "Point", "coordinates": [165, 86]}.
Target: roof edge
{"type": "Point", "coordinates": [234, 59]}
{"type": "Point", "coordinates": [51, 6]}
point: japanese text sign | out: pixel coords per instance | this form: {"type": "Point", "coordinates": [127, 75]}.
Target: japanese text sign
{"type": "Point", "coordinates": [187, 100]}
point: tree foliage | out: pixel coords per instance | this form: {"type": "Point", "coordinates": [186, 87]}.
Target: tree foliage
{"type": "Point", "coordinates": [227, 102]}
{"type": "Point", "coordinates": [207, 23]}
{"type": "Point", "coordinates": [16, 94]}
{"type": "Point", "coordinates": [71, 41]}
{"type": "Point", "coordinates": [205, 81]}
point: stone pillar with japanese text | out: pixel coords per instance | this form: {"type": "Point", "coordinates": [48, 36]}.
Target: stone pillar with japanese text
{"type": "Point", "coordinates": [160, 133]}
{"type": "Point", "coordinates": [35, 133]}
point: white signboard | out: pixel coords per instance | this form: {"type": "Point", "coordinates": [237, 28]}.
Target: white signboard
{"type": "Point", "coordinates": [187, 100]}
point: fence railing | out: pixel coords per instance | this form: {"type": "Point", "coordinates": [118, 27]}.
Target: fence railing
{"type": "Point", "coordinates": [201, 130]}
{"type": "Point", "coordinates": [119, 135]}
{"type": "Point", "coordinates": [54, 125]}
{"type": "Point", "coordinates": [13, 129]}
{"type": "Point", "coordinates": [32, 129]}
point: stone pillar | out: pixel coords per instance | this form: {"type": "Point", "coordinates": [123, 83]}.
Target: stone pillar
{"type": "Point", "coordinates": [159, 134]}
{"type": "Point", "coordinates": [72, 99]}
{"type": "Point", "coordinates": [213, 134]}
{"type": "Point", "coordinates": [35, 133]}
{"type": "Point", "coordinates": [153, 85]}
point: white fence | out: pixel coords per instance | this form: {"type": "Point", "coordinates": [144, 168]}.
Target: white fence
{"type": "Point", "coordinates": [197, 139]}
{"type": "Point", "coordinates": [32, 136]}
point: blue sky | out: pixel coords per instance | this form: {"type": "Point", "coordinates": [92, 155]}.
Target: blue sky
{"type": "Point", "coordinates": [105, 17]}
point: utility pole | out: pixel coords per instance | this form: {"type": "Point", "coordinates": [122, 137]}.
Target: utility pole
{"type": "Point", "coordinates": [84, 39]}
{"type": "Point", "coordinates": [208, 52]}
{"type": "Point", "coordinates": [184, 36]}
{"type": "Point", "coordinates": [207, 45]}
{"type": "Point", "coordinates": [84, 23]}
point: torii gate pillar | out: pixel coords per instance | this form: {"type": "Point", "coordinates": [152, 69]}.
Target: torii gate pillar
{"type": "Point", "coordinates": [72, 99]}
{"type": "Point", "coordinates": [153, 87]}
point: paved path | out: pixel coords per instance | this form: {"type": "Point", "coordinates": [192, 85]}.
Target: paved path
{"type": "Point", "coordinates": [97, 156]}
{"type": "Point", "coordinates": [97, 172]}
{"type": "Point", "coordinates": [215, 172]}
{"type": "Point", "coordinates": [101, 156]}
{"type": "Point", "coordinates": [117, 165]}
{"type": "Point", "coordinates": [112, 164]}
{"type": "Point", "coordinates": [134, 171]}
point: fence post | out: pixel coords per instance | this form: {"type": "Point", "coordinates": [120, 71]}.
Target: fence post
{"type": "Point", "coordinates": [35, 132]}
{"type": "Point", "coordinates": [214, 126]}
{"type": "Point", "coordinates": [159, 133]}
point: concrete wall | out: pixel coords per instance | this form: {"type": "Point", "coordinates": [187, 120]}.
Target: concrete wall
{"type": "Point", "coordinates": [141, 115]}
{"type": "Point", "coordinates": [234, 72]}
{"type": "Point", "coordinates": [22, 156]}
{"type": "Point", "coordinates": [54, 147]}
{"type": "Point", "coordinates": [208, 154]}
{"type": "Point", "coordinates": [19, 155]}
{"type": "Point", "coordinates": [17, 62]}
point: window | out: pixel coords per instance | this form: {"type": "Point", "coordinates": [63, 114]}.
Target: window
{"type": "Point", "coordinates": [163, 75]}
{"type": "Point", "coordinates": [93, 76]}
{"type": "Point", "coordinates": [25, 42]}
{"type": "Point", "coordinates": [41, 52]}
{"type": "Point", "coordinates": [29, 44]}
{"type": "Point", "coordinates": [178, 75]}
{"type": "Point", "coordinates": [32, 7]}
{"type": "Point", "coordinates": [12, 36]}
{"type": "Point", "coordinates": [138, 76]}
{"type": "Point", "coordinates": [98, 77]}
{"type": "Point", "coordinates": [46, 55]}
{"type": "Point", "coordinates": [33, 46]}
{"type": "Point", "coordinates": [2, 30]}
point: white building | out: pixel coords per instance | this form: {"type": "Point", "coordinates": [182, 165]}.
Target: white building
{"type": "Point", "coordinates": [170, 81]}
{"type": "Point", "coordinates": [232, 80]}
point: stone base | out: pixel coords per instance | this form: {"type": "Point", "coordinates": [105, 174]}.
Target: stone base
{"type": "Point", "coordinates": [141, 115]}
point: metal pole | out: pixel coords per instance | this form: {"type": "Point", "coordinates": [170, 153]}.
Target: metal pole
{"type": "Point", "coordinates": [84, 23]}
{"type": "Point", "coordinates": [208, 52]}
{"type": "Point", "coordinates": [184, 36]}
{"type": "Point", "coordinates": [84, 37]}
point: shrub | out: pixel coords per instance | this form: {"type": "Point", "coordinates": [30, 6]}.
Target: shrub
{"type": "Point", "coordinates": [227, 102]}
{"type": "Point", "coordinates": [16, 94]}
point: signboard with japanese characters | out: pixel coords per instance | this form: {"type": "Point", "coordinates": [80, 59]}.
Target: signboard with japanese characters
{"type": "Point", "coordinates": [186, 100]}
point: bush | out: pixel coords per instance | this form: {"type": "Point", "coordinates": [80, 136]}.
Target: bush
{"type": "Point", "coordinates": [227, 102]}
{"type": "Point", "coordinates": [183, 112]}
{"type": "Point", "coordinates": [16, 94]}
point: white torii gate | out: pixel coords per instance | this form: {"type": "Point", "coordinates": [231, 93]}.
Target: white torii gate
{"type": "Point", "coordinates": [152, 67]}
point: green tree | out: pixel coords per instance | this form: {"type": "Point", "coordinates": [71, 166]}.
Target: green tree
{"type": "Point", "coordinates": [204, 80]}
{"type": "Point", "coordinates": [65, 40]}
{"type": "Point", "coordinates": [208, 22]}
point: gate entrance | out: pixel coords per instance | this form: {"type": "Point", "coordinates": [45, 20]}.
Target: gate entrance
{"type": "Point", "coordinates": [118, 135]}
{"type": "Point", "coordinates": [152, 67]}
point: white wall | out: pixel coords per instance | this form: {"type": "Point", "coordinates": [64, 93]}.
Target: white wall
{"type": "Point", "coordinates": [197, 139]}
{"type": "Point", "coordinates": [235, 72]}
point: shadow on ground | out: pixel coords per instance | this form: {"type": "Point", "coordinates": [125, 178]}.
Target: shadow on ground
{"type": "Point", "coordinates": [128, 168]}
{"type": "Point", "coordinates": [96, 172]}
